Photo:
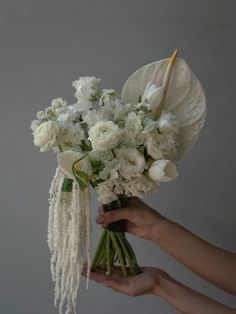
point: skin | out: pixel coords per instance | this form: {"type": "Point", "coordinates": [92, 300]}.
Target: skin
{"type": "Point", "coordinates": [214, 264]}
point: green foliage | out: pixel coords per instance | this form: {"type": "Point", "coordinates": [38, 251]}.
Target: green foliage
{"type": "Point", "coordinates": [82, 178]}
{"type": "Point", "coordinates": [85, 146]}
{"type": "Point", "coordinates": [97, 165]}
{"type": "Point", "coordinates": [67, 185]}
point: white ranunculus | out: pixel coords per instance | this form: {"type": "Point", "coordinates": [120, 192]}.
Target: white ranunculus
{"type": "Point", "coordinates": [168, 122]}
{"type": "Point", "coordinates": [131, 161]}
{"type": "Point", "coordinates": [153, 147]}
{"type": "Point", "coordinates": [163, 171]}
{"type": "Point", "coordinates": [105, 192]}
{"type": "Point", "coordinates": [133, 125]}
{"type": "Point", "coordinates": [45, 135]}
{"type": "Point", "coordinates": [153, 94]}
{"type": "Point", "coordinates": [86, 87]}
{"type": "Point", "coordinates": [104, 135]}
{"type": "Point", "coordinates": [66, 159]}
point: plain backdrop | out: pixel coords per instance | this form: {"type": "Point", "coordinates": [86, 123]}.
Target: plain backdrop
{"type": "Point", "coordinates": [44, 46]}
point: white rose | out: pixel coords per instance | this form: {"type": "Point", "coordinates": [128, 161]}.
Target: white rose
{"type": "Point", "coordinates": [86, 87]}
{"type": "Point", "coordinates": [163, 171]}
{"type": "Point", "coordinates": [131, 161]}
{"type": "Point", "coordinates": [168, 122]}
{"type": "Point", "coordinates": [153, 94]}
{"type": "Point", "coordinates": [104, 135]}
{"type": "Point", "coordinates": [45, 135]}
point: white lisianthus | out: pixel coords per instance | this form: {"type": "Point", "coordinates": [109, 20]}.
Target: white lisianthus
{"type": "Point", "coordinates": [86, 87]}
{"type": "Point", "coordinates": [45, 135]}
{"type": "Point", "coordinates": [133, 125]}
{"type": "Point", "coordinates": [168, 123]}
{"type": "Point", "coordinates": [104, 135]}
{"type": "Point", "coordinates": [153, 94]}
{"type": "Point", "coordinates": [153, 147]}
{"type": "Point", "coordinates": [131, 161]}
{"type": "Point", "coordinates": [66, 159]}
{"type": "Point", "coordinates": [163, 171]}
{"type": "Point", "coordinates": [105, 192]}
{"type": "Point", "coordinates": [139, 186]}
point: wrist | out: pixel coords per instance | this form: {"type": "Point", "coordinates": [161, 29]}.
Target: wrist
{"type": "Point", "coordinates": [158, 229]}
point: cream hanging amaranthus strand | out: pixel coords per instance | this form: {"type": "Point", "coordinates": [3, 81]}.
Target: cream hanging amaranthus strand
{"type": "Point", "coordinates": [69, 232]}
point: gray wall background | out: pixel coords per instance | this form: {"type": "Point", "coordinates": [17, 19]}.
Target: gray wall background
{"type": "Point", "coordinates": [44, 46]}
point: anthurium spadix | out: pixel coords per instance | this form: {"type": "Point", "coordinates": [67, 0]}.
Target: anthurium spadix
{"type": "Point", "coordinates": [184, 97]}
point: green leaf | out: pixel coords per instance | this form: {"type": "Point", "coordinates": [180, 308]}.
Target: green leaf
{"type": "Point", "coordinates": [67, 185]}
{"type": "Point", "coordinates": [86, 147]}
{"type": "Point", "coordinates": [82, 178]}
{"type": "Point", "coordinates": [97, 165]}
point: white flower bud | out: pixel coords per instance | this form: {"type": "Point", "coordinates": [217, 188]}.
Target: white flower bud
{"type": "Point", "coordinates": [153, 94]}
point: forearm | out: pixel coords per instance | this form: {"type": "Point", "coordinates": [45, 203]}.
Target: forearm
{"type": "Point", "coordinates": [213, 264]}
{"type": "Point", "coordinates": [188, 301]}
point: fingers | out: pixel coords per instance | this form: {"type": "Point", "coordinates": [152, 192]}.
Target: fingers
{"type": "Point", "coordinates": [112, 216]}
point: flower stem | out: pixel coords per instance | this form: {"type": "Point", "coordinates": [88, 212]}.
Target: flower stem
{"type": "Point", "coordinates": [108, 253]}
{"type": "Point", "coordinates": [119, 253]}
{"type": "Point", "coordinates": [99, 250]}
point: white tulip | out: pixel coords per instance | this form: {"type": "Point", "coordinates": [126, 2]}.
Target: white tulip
{"type": "Point", "coordinates": [163, 171]}
{"type": "Point", "coordinates": [153, 94]}
{"type": "Point", "coordinates": [104, 135]}
{"type": "Point", "coordinates": [45, 135]}
{"type": "Point", "coordinates": [66, 159]}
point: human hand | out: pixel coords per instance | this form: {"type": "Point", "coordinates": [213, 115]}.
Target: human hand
{"type": "Point", "coordinates": [149, 281]}
{"type": "Point", "coordinates": [140, 218]}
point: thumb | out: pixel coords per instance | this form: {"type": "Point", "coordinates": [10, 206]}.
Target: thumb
{"type": "Point", "coordinates": [112, 216]}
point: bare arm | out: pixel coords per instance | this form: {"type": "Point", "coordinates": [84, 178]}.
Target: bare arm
{"type": "Point", "coordinates": [214, 264]}
{"type": "Point", "coordinates": [155, 281]}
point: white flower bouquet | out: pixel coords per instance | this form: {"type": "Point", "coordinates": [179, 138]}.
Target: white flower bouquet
{"type": "Point", "coordinates": [122, 145]}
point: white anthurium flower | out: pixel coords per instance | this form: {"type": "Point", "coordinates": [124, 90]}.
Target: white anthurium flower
{"type": "Point", "coordinates": [45, 135]}
{"type": "Point", "coordinates": [66, 159]}
{"type": "Point", "coordinates": [163, 171]}
{"type": "Point", "coordinates": [153, 94]}
{"type": "Point", "coordinates": [86, 87]}
{"type": "Point", "coordinates": [131, 161]}
{"type": "Point", "coordinates": [104, 135]}
{"type": "Point", "coordinates": [185, 97]}
{"type": "Point", "coordinates": [168, 123]}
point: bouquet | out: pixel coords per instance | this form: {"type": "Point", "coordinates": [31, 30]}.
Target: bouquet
{"type": "Point", "coordinates": [120, 145]}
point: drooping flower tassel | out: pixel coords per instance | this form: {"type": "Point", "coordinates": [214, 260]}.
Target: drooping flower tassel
{"type": "Point", "coordinates": [69, 231]}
